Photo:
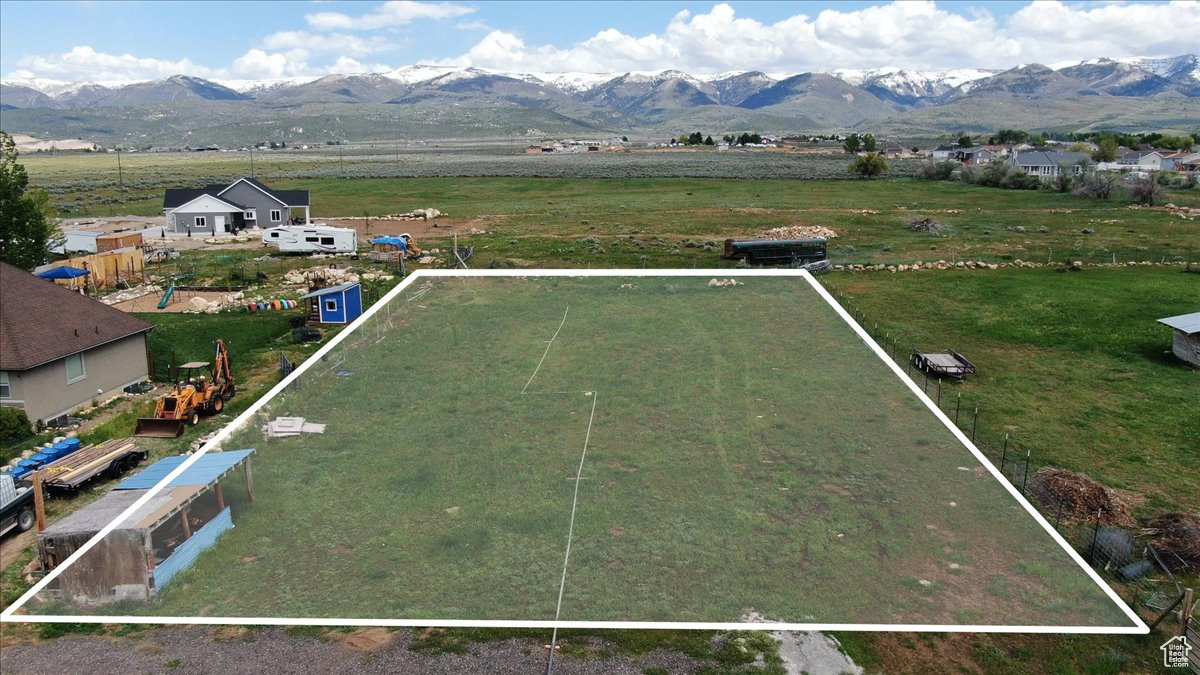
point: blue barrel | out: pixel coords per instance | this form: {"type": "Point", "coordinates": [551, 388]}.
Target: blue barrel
{"type": "Point", "coordinates": [40, 458]}
{"type": "Point", "coordinates": [57, 450]}
{"type": "Point", "coordinates": [72, 444]}
{"type": "Point", "coordinates": [19, 471]}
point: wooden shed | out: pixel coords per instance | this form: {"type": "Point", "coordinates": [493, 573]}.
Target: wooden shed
{"type": "Point", "coordinates": [116, 240]}
{"type": "Point", "coordinates": [163, 537]}
{"type": "Point", "coordinates": [1186, 342]}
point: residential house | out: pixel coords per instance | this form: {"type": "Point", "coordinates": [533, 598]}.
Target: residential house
{"type": "Point", "coordinates": [60, 350]}
{"type": "Point", "coordinates": [975, 155]}
{"type": "Point", "coordinates": [221, 209]}
{"type": "Point", "coordinates": [892, 150]}
{"type": "Point", "coordinates": [944, 152]}
{"type": "Point", "coordinates": [1046, 164]}
{"type": "Point", "coordinates": [1141, 160]}
{"type": "Point", "coordinates": [1189, 163]}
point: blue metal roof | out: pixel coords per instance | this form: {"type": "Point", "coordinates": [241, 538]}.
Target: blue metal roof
{"type": "Point", "coordinates": [332, 289]}
{"type": "Point", "coordinates": [1188, 323]}
{"type": "Point", "coordinates": [210, 467]}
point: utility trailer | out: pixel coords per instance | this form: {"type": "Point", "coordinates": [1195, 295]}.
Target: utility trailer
{"type": "Point", "coordinates": [776, 251]}
{"type": "Point", "coordinates": [114, 457]}
{"type": "Point", "coordinates": [943, 364]}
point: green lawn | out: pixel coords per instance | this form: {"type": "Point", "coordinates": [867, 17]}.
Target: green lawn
{"type": "Point", "coordinates": [746, 454]}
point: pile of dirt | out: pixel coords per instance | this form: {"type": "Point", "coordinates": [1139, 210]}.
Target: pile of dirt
{"type": "Point", "coordinates": [1176, 538]}
{"type": "Point", "coordinates": [797, 232]}
{"type": "Point", "coordinates": [928, 225]}
{"type": "Point", "coordinates": [1076, 497]}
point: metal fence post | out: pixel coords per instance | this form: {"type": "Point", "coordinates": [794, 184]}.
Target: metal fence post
{"type": "Point", "coordinates": [939, 398]}
{"type": "Point", "coordinates": [1028, 457]}
{"type": "Point", "coordinates": [1095, 538]}
{"type": "Point", "coordinates": [1003, 453]}
{"type": "Point", "coordinates": [974, 424]}
{"type": "Point", "coordinates": [957, 407]}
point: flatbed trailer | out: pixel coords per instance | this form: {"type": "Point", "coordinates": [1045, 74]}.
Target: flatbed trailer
{"type": "Point", "coordinates": [945, 364]}
{"type": "Point", "coordinates": [114, 457]}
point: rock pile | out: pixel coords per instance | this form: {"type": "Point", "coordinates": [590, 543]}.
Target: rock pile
{"type": "Point", "coordinates": [797, 232]}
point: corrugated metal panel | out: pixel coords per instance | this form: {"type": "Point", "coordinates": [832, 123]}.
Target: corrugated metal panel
{"type": "Point", "coordinates": [188, 551]}
{"type": "Point", "coordinates": [206, 470]}
{"type": "Point", "coordinates": [1188, 323]}
{"type": "Point", "coordinates": [332, 289]}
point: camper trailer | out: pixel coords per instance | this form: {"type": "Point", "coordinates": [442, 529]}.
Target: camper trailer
{"type": "Point", "coordinates": [315, 238]}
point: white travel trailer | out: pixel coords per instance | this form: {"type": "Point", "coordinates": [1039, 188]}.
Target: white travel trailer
{"type": "Point", "coordinates": [315, 238]}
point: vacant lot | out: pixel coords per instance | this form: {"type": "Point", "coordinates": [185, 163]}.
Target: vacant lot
{"type": "Point", "coordinates": [746, 454]}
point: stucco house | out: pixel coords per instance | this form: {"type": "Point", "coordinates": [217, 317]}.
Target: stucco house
{"type": "Point", "coordinates": [60, 350]}
{"type": "Point", "coordinates": [1046, 164]}
{"type": "Point", "coordinates": [221, 209]}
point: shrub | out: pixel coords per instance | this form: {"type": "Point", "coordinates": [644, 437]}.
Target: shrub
{"type": "Point", "coordinates": [936, 170]}
{"type": "Point", "coordinates": [14, 425]}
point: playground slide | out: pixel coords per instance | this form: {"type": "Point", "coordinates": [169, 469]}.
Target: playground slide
{"type": "Point", "coordinates": [166, 298]}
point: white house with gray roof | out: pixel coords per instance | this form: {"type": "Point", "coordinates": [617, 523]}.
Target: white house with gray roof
{"type": "Point", "coordinates": [222, 209]}
{"type": "Point", "coordinates": [1047, 164]}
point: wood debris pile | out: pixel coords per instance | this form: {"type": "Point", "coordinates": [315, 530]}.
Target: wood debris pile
{"type": "Point", "coordinates": [1077, 497]}
{"type": "Point", "coordinates": [1176, 538]}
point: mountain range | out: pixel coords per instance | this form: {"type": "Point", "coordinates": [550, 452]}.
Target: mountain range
{"type": "Point", "coordinates": [1131, 91]}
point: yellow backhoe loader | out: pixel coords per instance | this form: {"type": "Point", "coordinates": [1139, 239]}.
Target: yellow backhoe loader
{"type": "Point", "coordinates": [191, 397]}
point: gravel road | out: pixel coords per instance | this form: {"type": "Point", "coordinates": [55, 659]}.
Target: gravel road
{"type": "Point", "coordinates": [204, 649]}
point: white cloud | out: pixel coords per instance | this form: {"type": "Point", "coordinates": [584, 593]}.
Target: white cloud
{"type": "Point", "coordinates": [917, 34]}
{"type": "Point", "coordinates": [84, 63]}
{"type": "Point", "coordinates": [387, 15]}
{"type": "Point", "coordinates": [342, 43]}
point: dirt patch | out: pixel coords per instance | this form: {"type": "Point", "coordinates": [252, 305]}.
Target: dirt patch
{"type": "Point", "coordinates": [1078, 497]}
{"type": "Point", "coordinates": [341, 548]}
{"type": "Point", "coordinates": [616, 531]}
{"type": "Point", "coordinates": [836, 489]}
{"type": "Point", "coordinates": [439, 227]}
{"type": "Point", "coordinates": [368, 639]}
{"type": "Point", "coordinates": [1176, 537]}
{"type": "Point", "coordinates": [180, 302]}
{"type": "Point", "coordinates": [927, 225]}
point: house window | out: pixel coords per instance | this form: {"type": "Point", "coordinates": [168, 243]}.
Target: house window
{"type": "Point", "coordinates": [249, 215]}
{"type": "Point", "coordinates": [331, 305]}
{"type": "Point", "coordinates": [75, 371]}
{"type": "Point", "coordinates": [276, 215]}
{"type": "Point", "coordinates": [201, 222]}
{"type": "Point", "coordinates": [5, 389]}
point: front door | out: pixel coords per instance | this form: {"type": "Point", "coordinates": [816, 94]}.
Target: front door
{"type": "Point", "coordinates": [218, 224]}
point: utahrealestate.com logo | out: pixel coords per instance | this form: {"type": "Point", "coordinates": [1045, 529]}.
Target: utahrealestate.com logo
{"type": "Point", "coordinates": [1175, 652]}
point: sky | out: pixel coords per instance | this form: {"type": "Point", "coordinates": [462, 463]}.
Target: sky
{"type": "Point", "coordinates": [114, 41]}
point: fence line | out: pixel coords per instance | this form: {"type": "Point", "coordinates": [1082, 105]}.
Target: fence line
{"type": "Point", "coordinates": [1111, 550]}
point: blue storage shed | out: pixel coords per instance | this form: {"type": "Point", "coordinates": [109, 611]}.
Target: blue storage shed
{"type": "Point", "coordinates": [336, 304]}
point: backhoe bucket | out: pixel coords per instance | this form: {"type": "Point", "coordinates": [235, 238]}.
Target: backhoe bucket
{"type": "Point", "coordinates": [154, 427]}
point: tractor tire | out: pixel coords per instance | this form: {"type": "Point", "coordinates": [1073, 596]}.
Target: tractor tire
{"type": "Point", "coordinates": [217, 405]}
{"type": "Point", "coordinates": [194, 418]}
{"type": "Point", "coordinates": [26, 519]}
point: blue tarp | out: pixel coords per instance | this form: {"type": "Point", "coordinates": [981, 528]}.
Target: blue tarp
{"type": "Point", "coordinates": [206, 470]}
{"type": "Point", "coordinates": [398, 242]}
{"type": "Point", "coordinates": [63, 272]}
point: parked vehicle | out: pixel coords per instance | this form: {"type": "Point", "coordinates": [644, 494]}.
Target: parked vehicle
{"type": "Point", "coordinates": [16, 504]}
{"type": "Point", "coordinates": [312, 239]}
{"type": "Point", "coordinates": [191, 397]}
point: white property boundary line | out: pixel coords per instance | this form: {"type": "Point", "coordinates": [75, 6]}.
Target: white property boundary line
{"type": "Point", "coordinates": [548, 346]}
{"type": "Point", "coordinates": [1138, 628]}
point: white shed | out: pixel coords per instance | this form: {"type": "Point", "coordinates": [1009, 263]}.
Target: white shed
{"type": "Point", "coordinates": [1186, 344]}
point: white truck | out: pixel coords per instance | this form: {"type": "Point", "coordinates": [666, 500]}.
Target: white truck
{"type": "Point", "coordinates": [315, 238]}
{"type": "Point", "coordinates": [16, 504]}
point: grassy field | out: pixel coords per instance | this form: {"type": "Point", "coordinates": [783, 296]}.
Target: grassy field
{"type": "Point", "coordinates": [746, 453]}
{"type": "Point", "coordinates": [623, 221]}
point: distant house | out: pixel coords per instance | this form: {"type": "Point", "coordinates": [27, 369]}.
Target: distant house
{"type": "Point", "coordinates": [1140, 160]}
{"type": "Point", "coordinates": [1046, 164]}
{"type": "Point", "coordinates": [221, 209]}
{"type": "Point", "coordinates": [976, 155]}
{"type": "Point", "coordinates": [60, 350]}
{"type": "Point", "coordinates": [1186, 342]}
{"type": "Point", "coordinates": [892, 150]}
{"type": "Point", "coordinates": [1188, 163]}
{"type": "Point", "coordinates": [336, 304]}
{"type": "Point", "coordinates": [945, 152]}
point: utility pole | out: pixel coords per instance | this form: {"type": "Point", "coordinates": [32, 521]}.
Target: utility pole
{"type": "Point", "coordinates": [252, 161]}
{"type": "Point", "coordinates": [120, 175]}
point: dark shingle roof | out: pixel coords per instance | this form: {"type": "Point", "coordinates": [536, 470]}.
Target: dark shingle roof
{"type": "Point", "coordinates": [41, 321]}
{"type": "Point", "coordinates": [176, 197]}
